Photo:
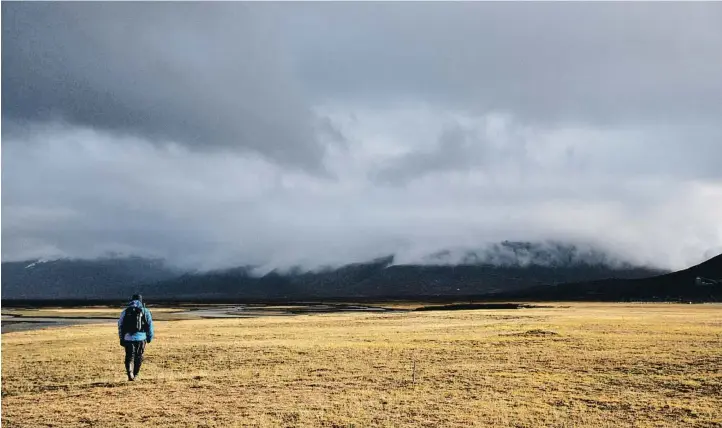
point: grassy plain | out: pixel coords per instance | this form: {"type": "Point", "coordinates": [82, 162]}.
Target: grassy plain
{"type": "Point", "coordinates": [572, 365]}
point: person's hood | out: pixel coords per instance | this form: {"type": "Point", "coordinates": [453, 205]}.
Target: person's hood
{"type": "Point", "coordinates": [136, 303]}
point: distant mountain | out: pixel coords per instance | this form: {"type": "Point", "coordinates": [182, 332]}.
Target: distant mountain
{"type": "Point", "coordinates": [507, 267]}
{"type": "Point", "coordinates": [698, 283]}
{"type": "Point", "coordinates": [105, 278]}
{"type": "Point", "coordinates": [375, 279]}
{"type": "Point", "coordinates": [510, 253]}
{"type": "Point", "coordinates": [503, 267]}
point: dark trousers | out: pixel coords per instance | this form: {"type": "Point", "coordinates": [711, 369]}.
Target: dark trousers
{"type": "Point", "coordinates": [134, 353]}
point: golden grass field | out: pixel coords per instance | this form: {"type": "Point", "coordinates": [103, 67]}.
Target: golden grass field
{"type": "Point", "coordinates": [607, 365]}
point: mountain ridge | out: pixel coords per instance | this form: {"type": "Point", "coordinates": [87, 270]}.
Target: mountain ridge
{"type": "Point", "coordinates": [500, 267]}
{"type": "Point", "coordinates": [682, 285]}
{"type": "Point", "coordinates": [519, 270]}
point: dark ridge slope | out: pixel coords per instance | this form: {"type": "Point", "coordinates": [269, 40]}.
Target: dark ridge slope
{"type": "Point", "coordinates": [105, 278]}
{"type": "Point", "coordinates": [680, 285]}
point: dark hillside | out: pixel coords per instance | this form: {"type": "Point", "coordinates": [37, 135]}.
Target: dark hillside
{"type": "Point", "coordinates": [680, 285]}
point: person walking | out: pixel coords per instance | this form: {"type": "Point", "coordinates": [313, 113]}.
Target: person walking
{"type": "Point", "coordinates": [135, 329]}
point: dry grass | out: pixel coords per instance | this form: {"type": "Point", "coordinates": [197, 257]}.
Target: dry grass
{"type": "Point", "coordinates": [607, 365]}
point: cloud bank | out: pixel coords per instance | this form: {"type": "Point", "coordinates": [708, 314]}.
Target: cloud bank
{"type": "Point", "coordinates": [223, 134]}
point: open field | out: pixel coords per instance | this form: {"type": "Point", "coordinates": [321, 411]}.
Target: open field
{"type": "Point", "coordinates": [577, 365]}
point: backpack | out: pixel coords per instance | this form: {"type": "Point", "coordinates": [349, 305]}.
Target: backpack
{"type": "Point", "coordinates": [134, 320]}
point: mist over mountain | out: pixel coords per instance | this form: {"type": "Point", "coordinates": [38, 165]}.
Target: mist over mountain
{"type": "Point", "coordinates": [506, 266]}
{"type": "Point", "coordinates": [519, 254]}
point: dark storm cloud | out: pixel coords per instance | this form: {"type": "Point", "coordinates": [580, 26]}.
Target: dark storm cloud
{"type": "Point", "coordinates": [581, 61]}
{"type": "Point", "coordinates": [207, 75]}
{"type": "Point", "coordinates": [243, 75]}
{"type": "Point", "coordinates": [612, 66]}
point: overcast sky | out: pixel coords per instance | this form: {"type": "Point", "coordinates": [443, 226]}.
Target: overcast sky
{"type": "Point", "coordinates": [220, 134]}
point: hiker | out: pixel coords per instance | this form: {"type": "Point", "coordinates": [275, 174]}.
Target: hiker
{"type": "Point", "coordinates": [135, 328]}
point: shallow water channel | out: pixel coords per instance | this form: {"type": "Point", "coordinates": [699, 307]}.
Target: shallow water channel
{"type": "Point", "coordinates": [13, 322]}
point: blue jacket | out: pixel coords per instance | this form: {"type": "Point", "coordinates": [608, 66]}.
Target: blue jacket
{"type": "Point", "coordinates": [141, 335]}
